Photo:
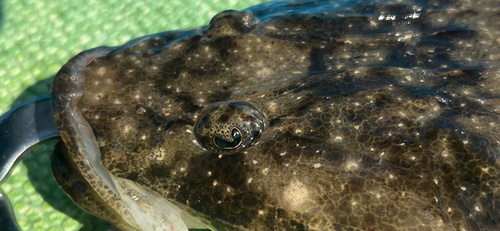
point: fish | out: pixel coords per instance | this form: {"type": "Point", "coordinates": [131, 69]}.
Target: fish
{"type": "Point", "coordinates": [290, 115]}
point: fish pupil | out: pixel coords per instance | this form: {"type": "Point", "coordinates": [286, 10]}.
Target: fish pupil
{"type": "Point", "coordinates": [224, 144]}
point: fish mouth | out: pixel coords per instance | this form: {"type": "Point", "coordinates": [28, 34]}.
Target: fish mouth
{"type": "Point", "coordinates": [67, 90]}
{"type": "Point", "coordinates": [137, 206]}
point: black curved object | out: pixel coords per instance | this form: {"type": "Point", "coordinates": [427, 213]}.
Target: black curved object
{"type": "Point", "coordinates": [7, 219]}
{"type": "Point", "coordinates": [20, 129]}
{"type": "Point", "coordinates": [23, 127]}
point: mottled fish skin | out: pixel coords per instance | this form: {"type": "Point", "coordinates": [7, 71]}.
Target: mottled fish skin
{"type": "Point", "coordinates": [380, 115]}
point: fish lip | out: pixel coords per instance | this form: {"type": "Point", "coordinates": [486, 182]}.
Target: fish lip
{"type": "Point", "coordinates": [66, 93]}
{"type": "Point", "coordinates": [78, 136]}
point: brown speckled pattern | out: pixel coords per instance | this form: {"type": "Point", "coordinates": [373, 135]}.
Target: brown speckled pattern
{"type": "Point", "coordinates": [380, 116]}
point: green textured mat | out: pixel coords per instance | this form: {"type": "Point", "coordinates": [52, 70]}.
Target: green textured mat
{"type": "Point", "coordinates": [36, 39]}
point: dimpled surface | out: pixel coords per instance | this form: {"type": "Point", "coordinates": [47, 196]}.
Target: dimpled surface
{"type": "Point", "coordinates": [382, 116]}
{"type": "Point", "coordinates": [36, 39]}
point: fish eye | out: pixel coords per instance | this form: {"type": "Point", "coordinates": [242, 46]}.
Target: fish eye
{"type": "Point", "coordinates": [229, 127]}
{"type": "Point", "coordinates": [234, 143]}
